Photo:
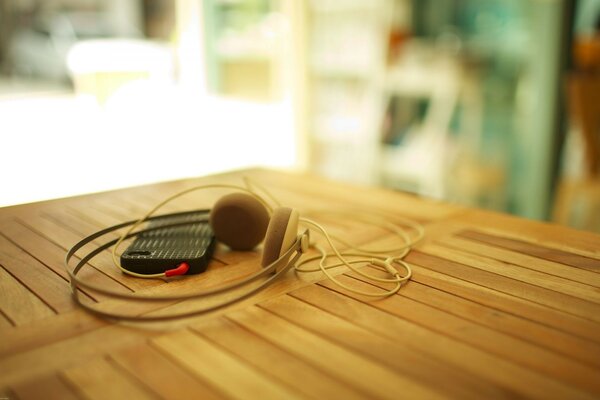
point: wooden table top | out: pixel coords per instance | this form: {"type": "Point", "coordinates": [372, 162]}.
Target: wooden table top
{"type": "Point", "coordinates": [497, 307]}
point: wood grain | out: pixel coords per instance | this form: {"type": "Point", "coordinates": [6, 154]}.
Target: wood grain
{"type": "Point", "coordinates": [489, 340]}
{"type": "Point", "coordinates": [53, 256]}
{"type": "Point", "coordinates": [568, 345]}
{"type": "Point", "coordinates": [161, 375]}
{"type": "Point", "coordinates": [553, 236]}
{"type": "Point", "coordinates": [524, 260]}
{"type": "Point", "coordinates": [381, 318]}
{"type": "Point", "coordinates": [216, 366]}
{"type": "Point", "coordinates": [41, 332]}
{"type": "Point", "coordinates": [51, 387]}
{"type": "Point", "coordinates": [546, 253]}
{"type": "Point", "coordinates": [40, 360]}
{"type": "Point", "coordinates": [483, 277]}
{"type": "Point", "coordinates": [497, 307]}
{"type": "Point", "coordinates": [510, 304]}
{"type": "Point", "coordinates": [50, 287]}
{"type": "Point", "coordinates": [91, 380]}
{"type": "Point", "coordinates": [65, 237]}
{"type": "Point", "coordinates": [273, 361]}
{"type": "Point", "coordinates": [19, 304]}
{"type": "Point", "coordinates": [393, 353]}
{"type": "Point", "coordinates": [335, 359]}
{"type": "Point", "coordinates": [561, 285]}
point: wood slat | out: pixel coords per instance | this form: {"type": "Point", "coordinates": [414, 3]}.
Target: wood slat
{"type": "Point", "coordinates": [217, 367]}
{"type": "Point", "coordinates": [22, 366]}
{"type": "Point", "coordinates": [161, 375]}
{"type": "Point", "coordinates": [377, 317]}
{"type": "Point", "coordinates": [120, 206]}
{"type": "Point", "coordinates": [52, 231]}
{"type": "Point", "coordinates": [65, 238]}
{"type": "Point", "coordinates": [130, 206]}
{"type": "Point", "coordinates": [18, 303]}
{"type": "Point", "coordinates": [300, 190]}
{"type": "Point", "coordinates": [53, 257]}
{"type": "Point", "coordinates": [82, 227]}
{"type": "Point", "coordinates": [498, 307]}
{"type": "Point", "coordinates": [553, 236]}
{"type": "Point", "coordinates": [504, 284]}
{"type": "Point", "coordinates": [482, 261]}
{"type": "Point", "coordinates": [524, 260]}
{"type": "Point", "coordinates": [510, 304]}
{"type": "Point", "coordinates": [99, 379]}
{"type": "Point", "coordinates": [396, 354]}
{"type": "Point", "coordinates": [47, 331]}
{"type": "Point", "coordinates": [547, 253]}
{"type": "Point", "coordinates": [50, 287]}
{"type": "Point", "coordinates": [357, 371]}
{"type": "Point", "coordinates": [273, 361]}
{"type": "Point", "coordinates": [50, 387]}
{"type": "Point", "coordinates": [92, 216]}
{"type": "Point", "coordinates": [494, 342]}
{"type": "Point", "coordinates": [149, 196]}
{"type": "Point", "coordinates": [568, 345]}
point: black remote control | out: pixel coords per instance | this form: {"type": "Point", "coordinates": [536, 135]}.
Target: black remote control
{"type": "Point", "coordinates": [163, 249]}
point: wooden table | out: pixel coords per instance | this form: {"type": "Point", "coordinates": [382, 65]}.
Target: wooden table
{"type": "Point", "coordinates": [498, 307]}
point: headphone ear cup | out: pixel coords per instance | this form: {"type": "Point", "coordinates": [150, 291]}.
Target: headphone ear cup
{"type": "Point", "coordinates": [281, 234]}
{"type": "Point", "coordinates": [239, 221]}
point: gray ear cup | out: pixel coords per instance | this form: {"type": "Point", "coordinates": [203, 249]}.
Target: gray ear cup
{"type": "Point", "coordinates": [239, 221]}
{"type": "Point", "coordinates": [281, 234]}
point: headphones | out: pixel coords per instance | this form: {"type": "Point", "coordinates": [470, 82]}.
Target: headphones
{"type": "Point", "coordinates": [241, 220]}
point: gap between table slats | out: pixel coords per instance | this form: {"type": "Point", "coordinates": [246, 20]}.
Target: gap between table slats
{"type": "Point", "coordinates": [550, 298]}
{"type": "Point", "coordinates": [52, 256]}
{"type": "Point", "coordinates": [388, 323]}
{"type": "Point", "coordinates": [480, 261]}
{"type": "Point", "coordinates": [487, 339]}
{"type": "Point", "coordinates": [547, 253]}
{"type": "Point", "coordinates": [523, 260]}
{"type": "Point", "coordinates": [508, 303]}
{"type": "Point", "coordinates": [45, 283]}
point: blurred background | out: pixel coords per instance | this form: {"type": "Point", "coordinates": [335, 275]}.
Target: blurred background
{"type": "Point", "coordinates": [494, 104]}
